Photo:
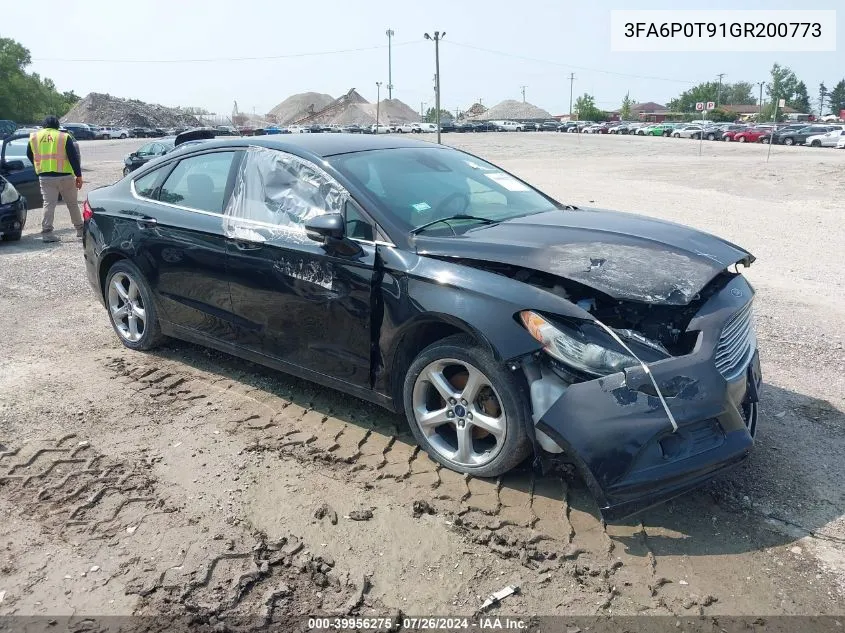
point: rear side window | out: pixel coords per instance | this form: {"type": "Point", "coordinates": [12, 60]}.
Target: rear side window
{"type": "Point", "coordinates": [199, 182]}
{"type": "Point", "coordinates": [146, 185]}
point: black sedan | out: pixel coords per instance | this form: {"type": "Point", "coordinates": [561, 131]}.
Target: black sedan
{"type": "Point", "coordinates": [427, 280]}
{"type": "Point", "coordinates": [12, 211]}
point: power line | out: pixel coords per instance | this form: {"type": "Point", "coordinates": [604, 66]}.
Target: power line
{"type": "Point", "coordinates": [223, 59]}
{"type": "Point", "coordinates": [553, 63]}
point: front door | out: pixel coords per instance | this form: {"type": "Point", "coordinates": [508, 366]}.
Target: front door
{"type": "Point", "coordinates": [297, 300]}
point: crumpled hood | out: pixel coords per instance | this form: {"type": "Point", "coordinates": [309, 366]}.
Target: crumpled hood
{"type": "Point", "coordinates": [623, 255]}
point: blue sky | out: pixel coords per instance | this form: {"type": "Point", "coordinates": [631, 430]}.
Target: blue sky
{"type": "Point", "coordinates": [535, 43]}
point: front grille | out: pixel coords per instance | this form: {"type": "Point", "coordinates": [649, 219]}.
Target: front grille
{"type": "Point", "coordinates": [737, 343]}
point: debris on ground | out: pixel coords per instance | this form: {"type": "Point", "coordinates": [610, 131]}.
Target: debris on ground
{"type": "Point", "coordinates": [325, 510]}
{"type": "Point", "coordinates": [422, 507]}
{"type": "Point", "coordinates": [498, 596]}
{"type": "Point", "coordinates": [360, 515]}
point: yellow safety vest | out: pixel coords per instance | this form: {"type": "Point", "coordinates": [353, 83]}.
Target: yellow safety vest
{"type": "Point", "coordinates": [49, 151]}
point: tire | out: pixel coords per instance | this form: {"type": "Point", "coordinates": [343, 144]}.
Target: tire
{"type": "Point", "coordinates": [135, 299]}
{"type": "Point", "coordinates": [676, 135]}
{"type": "Point", "coordinates": [816, 144]}
{"type": "Point", "coordinates": [741, 139]}
{"type": "Point", "coordinates": [126, 171]}
{"type": "Point", "coordinates": [12, 237]}
{"type": "Point", "coordinates": [487, 454]}
{"type": "Point", "coordinates": [123, 136]}
{"type": "Point", "coordinates": [711, 137]}
{"type": "Point", "coordinates": [789, 141]}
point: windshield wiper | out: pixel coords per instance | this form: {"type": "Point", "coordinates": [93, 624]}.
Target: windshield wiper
{"type": "Point", "coordinates": [459, 216]}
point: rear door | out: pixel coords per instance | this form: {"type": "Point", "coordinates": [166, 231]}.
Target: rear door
{"type": "Point", "coordinates": [180, 237]}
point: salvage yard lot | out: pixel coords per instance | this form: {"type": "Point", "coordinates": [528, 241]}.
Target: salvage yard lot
{"type": "Point", "coordinates": [149, 483]}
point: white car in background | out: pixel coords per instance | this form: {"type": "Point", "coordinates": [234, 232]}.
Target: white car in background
{"type": "Point", "coordinates": [840, 144]}
{"type": "Point", "coordinates": [113, 132]}
{"type": "Point", "coordinates": [687, 131]}
{"type": "Point", "coordinates": [508, 126]}
{"type": "Point", "coordinates": [427, 127]}
{"type": "Point", "coordinates": [298, 129]}
{"type": "Point", "coordinates": [380, 129]}
{"type": "Point", "coordinates": [828, 139]}
{"type": "Point", "coordinates": [403, 128]}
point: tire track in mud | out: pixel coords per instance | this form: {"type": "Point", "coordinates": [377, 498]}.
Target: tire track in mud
{"type": "Point", "coordinates": [109, 509]}
{"type": "Point", "coordinates": [545, 523]}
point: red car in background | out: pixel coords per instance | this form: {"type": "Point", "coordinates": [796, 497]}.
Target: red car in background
{"type": "Point", "coordinates": [754, 135]}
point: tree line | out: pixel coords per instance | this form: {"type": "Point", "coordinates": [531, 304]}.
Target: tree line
{"type": "Point", "coordinates": [27, 97]}
{"type": "Point", "coordinates": [783, 84]}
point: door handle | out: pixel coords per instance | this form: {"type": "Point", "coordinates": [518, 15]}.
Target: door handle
{"type": "Point", "coordinates": [243, 245]}
{"type": "Point", "coordinates": [147, 222]}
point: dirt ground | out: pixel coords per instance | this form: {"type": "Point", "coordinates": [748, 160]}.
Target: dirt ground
{"type": "Point", "coordinates": [187, 482]}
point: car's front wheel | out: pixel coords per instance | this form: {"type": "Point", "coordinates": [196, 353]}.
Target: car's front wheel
{"type": "Point", "coordinates": [131, 308]}
{"type": "Point", "coordinates": [13, 236]}
{"type": "Point", "coordinates": [788, 141]}
{"type": "Point", "coordinates": [816, 144]}
{"type": "Point", "coordinates": [465, 409]}
{"type": "Point", "coordinates": [741, 139]}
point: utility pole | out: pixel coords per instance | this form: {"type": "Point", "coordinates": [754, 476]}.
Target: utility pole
{"type": "Point", "coordinates": [571, 82]}
{"type": "Point", "coordinates": [422, 109]}
{"type": "Point", "coordinates": [760, 102]}
{"type": "Point", "coordinates": [437, 37]}
{"type": "Point", "coordinates": [390, 34]}
{"type": "Point", "coordinates": [378, 104]}
{"type": "Point", "coordinates": [822, 94]}
{"type": "Point", "coordinates": [523, 93]}
{"type": "Point", "coordinates": [719, 94]}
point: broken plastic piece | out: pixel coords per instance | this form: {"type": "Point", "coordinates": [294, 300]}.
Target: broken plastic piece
{"type": "Point", "coordinates": [495, 598]}
{"type": "Point", "coordinates": [619, 340]}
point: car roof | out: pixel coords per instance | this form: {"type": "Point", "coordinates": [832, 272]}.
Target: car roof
{"type": "Point", "coordinates": [324, 145]}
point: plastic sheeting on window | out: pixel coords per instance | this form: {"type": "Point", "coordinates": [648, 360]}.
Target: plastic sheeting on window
{"type": "Point", "coordinates": [275, 194]}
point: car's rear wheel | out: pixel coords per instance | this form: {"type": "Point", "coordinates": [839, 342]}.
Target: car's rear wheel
{"type": "Point", "coordinates": [465, 409]}
{"type": "Point", "coordinates": [788, 141]}
{"type": "Point", "coordinates": [676, 135]}
{"type": "Point", "coordinates": [816, 144]}
{"type": "Point", "coordinates": [711, 137]}
{"type": "Point", "coordinates": [123, 136]}
{"type": "Point", "coordinates": [741, 139]}
{"type": "Point", "coordinates": [131, 308]}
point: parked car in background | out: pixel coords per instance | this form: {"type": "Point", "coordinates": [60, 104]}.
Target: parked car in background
{"type": "Point", "coordinates": [18, 170]}
{"type": "Point", "coordinates": [568, 126]}
{"type": "Point", "coordinates": [381, 128]}
{"type": "Point", "coordinates": [550, 126]}
{"type": "Point", "coordinates": [507, 126]}
{"type": "Point", "coordinates": [427, 128]}
{"type": "Point", "coordinates": [754, 134]}
{"type": "Point", "coordinates": [110, 132]}
{"type": "Point", "coordinates": [352, 129]}
{"type": "Point", "coordinates": [13, 209]}
{"type": "Point", "coordinates": [294, 129]}
{"type": "Point", "coordinates": [840, 144]}
{"type": "Point", "coordinates": [7, 128]}
{"type": "Point", "coordinates": [162, 146]}
{"type": "Point", "coordinates": [530, 126]}
{"type": "Point", "coordinates": [687, 131]}
{"type": "Point", "coordinates": [828, 139]}
{"type": "Point", "coordinates": [226, 130]}
{"type": "Point", "coordinates": [800, 135]}
{"type": "Point", "coordinates": [80, 131]}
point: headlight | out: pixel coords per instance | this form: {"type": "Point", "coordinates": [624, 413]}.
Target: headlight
{"type": "Point", "coordinates": [8, 194]}
{"type": "Point", "coordinates": [573, 349]}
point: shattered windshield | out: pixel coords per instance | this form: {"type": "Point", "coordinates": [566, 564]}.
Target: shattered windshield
{"type": "Point", "coordinates": [418, 186]}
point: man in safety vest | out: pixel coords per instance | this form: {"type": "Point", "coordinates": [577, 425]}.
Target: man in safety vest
{"type": "Point", "coordinates": [56, 161]}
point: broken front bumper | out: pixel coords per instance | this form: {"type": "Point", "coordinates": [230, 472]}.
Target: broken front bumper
{"type": "Point", "coordinates": [618, 434]}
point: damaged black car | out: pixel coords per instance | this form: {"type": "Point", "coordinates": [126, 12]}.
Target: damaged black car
{"type": "Point", "coordinates": [499, 321]}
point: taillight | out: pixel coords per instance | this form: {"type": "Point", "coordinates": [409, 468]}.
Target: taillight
{"type": "Point", "coordinates": [87, 213]}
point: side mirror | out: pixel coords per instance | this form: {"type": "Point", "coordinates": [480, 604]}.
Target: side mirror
{"type": "Point", "coordinates": [325, 227]}
{"type": "Point", "coordinates": [13, 165]}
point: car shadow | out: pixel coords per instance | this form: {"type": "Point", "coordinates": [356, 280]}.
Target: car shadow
{"type": "Point", "coordinates": [791, 486]}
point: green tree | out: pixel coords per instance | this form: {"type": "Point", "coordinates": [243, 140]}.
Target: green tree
{"type": "Point", "coordinates": [586, 110]}
{"type": "Point", "coordinates": [739, 93]}
{"type": "Point", "coordinates": [26, 97]}
{"type": "Point", "coordinates": [431, 115]}
{"type": "Point", "coordinates": [625, 110]}
{"type": "Point", "coordinates": [800, 99]}
{"type": "Point", "coordinates": [836, 98]}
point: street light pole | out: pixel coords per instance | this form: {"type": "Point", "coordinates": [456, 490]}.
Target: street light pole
{"type": "Point", "coordinates": [760, 103]}
{"type": "Point", "coordinates": [719, 94]}
{"type": "Point", "coordinates": [571, 83]}
{"type": "Point", "coordinates": [390, 34]}
{"type": "Point", "coordinates": [437, 37]}
{"type": "Point", "coordinates": [378, 100]}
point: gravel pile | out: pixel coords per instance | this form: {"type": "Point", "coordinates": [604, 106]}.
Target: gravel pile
{"type": "Point", "coordinates": [511, 109]}
{"type": "Point", "coordinates": [298, 105]}
{"type": "Point", "coordinates": [104, 109]}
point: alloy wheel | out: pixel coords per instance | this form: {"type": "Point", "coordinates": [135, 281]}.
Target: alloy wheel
{"type": "Point", "coordinates": [126, 307]}
{"type": "Point", "coordinates": [459, 412]}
